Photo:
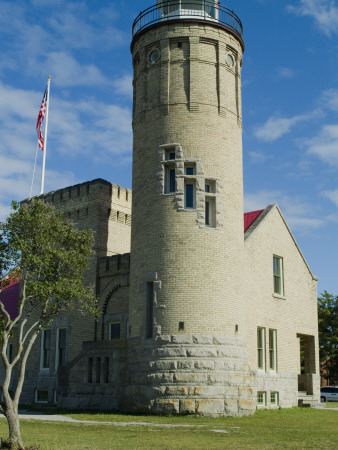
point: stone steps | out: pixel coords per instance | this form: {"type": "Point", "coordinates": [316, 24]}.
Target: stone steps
{"type": "Point", "coordinates": [307, 401]}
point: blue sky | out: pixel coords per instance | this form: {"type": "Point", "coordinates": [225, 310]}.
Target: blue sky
{"type": "Point", "coordinates": [290, 106]}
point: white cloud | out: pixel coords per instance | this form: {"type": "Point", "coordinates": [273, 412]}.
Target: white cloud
{"type": "Point", "coordinates": [99, 132]}
{"type": "Point", "coordinates": [66, 71]}
{"type": "Point", "coordinates": [296, 210]}
{"type": "Point", "coordinates": [39, 48]}
{"type": "Point", "coordinates": [258, 157]}
{"type": "Point", "coordinates": [124, 85]}
{"type": "Point", "coordinates": [325, 145]}
{"type": "Point", "coordinates": [331, 195]}
{"type": "Point", "coordinates": [276, 127]}
{"type": "Point", "coordinates": [285, 72]}
{"type": "Point", "coordinates": [324, 13]}
{"type": "Point", "coordinates": [329, 99]}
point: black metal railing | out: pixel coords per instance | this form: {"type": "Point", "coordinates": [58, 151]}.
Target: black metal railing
{"type": "Point", "coordinates": [184, 9]}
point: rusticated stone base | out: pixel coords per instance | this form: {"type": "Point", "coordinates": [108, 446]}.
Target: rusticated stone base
{"type": "Point", "coordinates": [186, 374]}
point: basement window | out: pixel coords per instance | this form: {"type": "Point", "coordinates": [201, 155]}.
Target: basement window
{"type": "Point", "coordinates": [41, 395]}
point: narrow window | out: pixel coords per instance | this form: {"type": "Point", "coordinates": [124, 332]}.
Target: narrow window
{"type": "Point", "coordinates": [189, 191]}
{"type": "Point", "coordinates": [207, 213]}
{"type": "Point", "coordinates": [98, 370]}
{"type": "Point", "coordinates": [273, 349]}
{"type": "Point", "coordinates": [106, 370]}
{"type": "Point", "coordinates": [278, 275]}
{"type": "Point", "coordinates": [90, 370]}
{"type": "Point", "coordinates": [210, 218]}
{"type": "Point", "coordinates": [45, 349]}
{"type": "Point", "coordinates": [261, 398]}
{"type": "Point", "coordinates": [261, 348]}
{"type": "Point", "coordinates": [170, 182]}
{"type": "Point", "coordinates": [208, 188]}
{"type": "Point", "coordinates": [118, 192]}
{"type": "Point", "coordinates": [78, 191]}
{"type": "Point", "coordinates": [61, 347]}
{"type": "Point", "coordinates": [87, 189]}
{"type": "Point", "coordinates": [149, 309]}
{"type": "Point", "coordinates": [114, 330]}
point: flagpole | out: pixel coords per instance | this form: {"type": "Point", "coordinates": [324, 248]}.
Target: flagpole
{"type": "Point", "coordinates": [45, 141]}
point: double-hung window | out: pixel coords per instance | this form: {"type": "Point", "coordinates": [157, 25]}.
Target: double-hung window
{"type": "Point", "coordinates": [60, 347]}
{"type": "Point", "coordinates": [273, 349]}
{"type": "Point", "coordinates": [45, 349]}
{"type": "Point", "coordinates": [278, 275]}
{"type": "Point", "coordinates": [261, 348]}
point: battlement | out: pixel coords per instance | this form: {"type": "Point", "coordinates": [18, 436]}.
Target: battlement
{"type": "Point", "coordinates": [111, 265]}
{"type": "Point", "coordinates": [86, 191]}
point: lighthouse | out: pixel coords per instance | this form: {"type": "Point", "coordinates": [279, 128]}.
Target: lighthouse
{"type": "Point", "coordinates": [187, 351]}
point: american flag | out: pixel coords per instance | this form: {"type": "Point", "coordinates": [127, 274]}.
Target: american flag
{"type": "Point", "coordinates": [41, 116]}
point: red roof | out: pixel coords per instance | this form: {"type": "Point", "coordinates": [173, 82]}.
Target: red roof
{"type": "Point", "coordinates": [250, 217]}
{"type": "Point", "coordinates": [9, 297]}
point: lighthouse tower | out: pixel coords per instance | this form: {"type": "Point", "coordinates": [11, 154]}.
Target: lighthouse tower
{"type": "Point", "coordinates": [187, 326]}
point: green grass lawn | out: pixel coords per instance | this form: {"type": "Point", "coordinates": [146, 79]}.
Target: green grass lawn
{"type": "Point", "coordinates": [287, 428]}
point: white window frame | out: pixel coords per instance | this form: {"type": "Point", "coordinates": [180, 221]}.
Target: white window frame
{"type": "Point", "coordinates": [262, 395]}
{"type": "Point", "coordinates": [261, 332]}
{"type": "Point", "coordinates": [276, 401]}
{"type": "Point", "coordinates": [273, 350]}
{"type": "Point", "coordinates": [278, 275]}
{"type": "Point", "coordinates": [42, 352]}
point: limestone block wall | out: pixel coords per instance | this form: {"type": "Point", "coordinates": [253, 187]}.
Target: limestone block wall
{"type": "Point", "coordinates": [293, 314]}
{"type": "Point", "coordinates": [188, 374]}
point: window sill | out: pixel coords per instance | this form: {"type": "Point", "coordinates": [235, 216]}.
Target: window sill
{"type": "Point", "coordinates": [282, 297]}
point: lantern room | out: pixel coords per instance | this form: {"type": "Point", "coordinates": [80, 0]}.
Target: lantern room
{"type": "Point", "coordinates": [189, 8]}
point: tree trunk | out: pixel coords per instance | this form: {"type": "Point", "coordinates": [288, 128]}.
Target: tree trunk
{"type": "Point", "coordinates": [14, 428]}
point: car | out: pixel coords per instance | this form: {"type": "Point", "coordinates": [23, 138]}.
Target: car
{"type": "Point", "coordinates": [329, 394]}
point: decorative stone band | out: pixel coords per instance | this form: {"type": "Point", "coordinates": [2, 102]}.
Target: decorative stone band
{"type": "Point", "coordinates": [189, 374]}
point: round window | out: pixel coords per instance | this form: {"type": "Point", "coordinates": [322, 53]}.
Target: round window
{"type": "Point", "coordinates": [154, 55]}
{"type": "Point", "coordinates": [230, 60]}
